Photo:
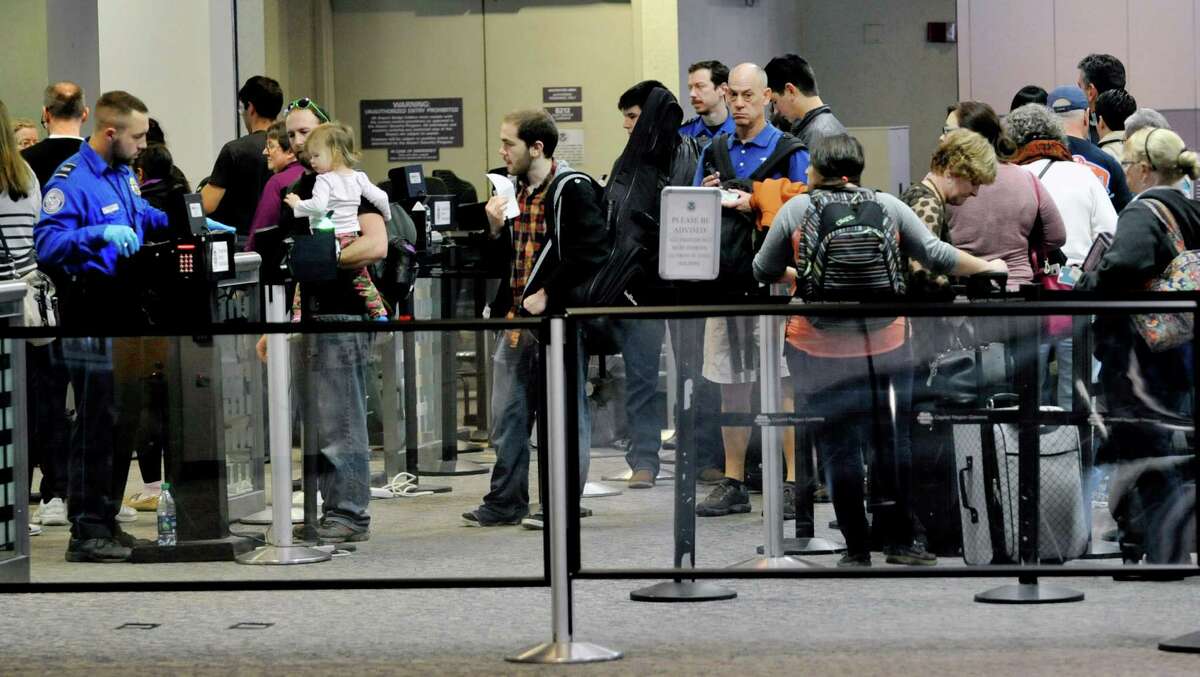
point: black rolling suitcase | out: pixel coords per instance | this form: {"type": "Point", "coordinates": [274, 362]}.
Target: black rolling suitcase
{"type": "Point", "coordinates": [934, 487]}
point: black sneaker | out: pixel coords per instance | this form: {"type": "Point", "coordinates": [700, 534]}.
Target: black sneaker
{"type": "Point", "coordinates": [474, 519]}
{"type": "Point", "coordinates": [100, 550]}
{"type": "Point", "coordinates": [912, 555]}
{"type": "Point", "coordinates": [128, 540]}
{"type": "Point", "coordinates": [851, 560]}
{"type": "Point", "coordinates": [537, 521]}
{"type": "Point", "coordinates": [730, 496]}
{"type": "Point", "coordinates": [789, 500]}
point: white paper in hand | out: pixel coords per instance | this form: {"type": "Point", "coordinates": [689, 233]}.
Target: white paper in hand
{"type": "Point", "coordinates": [503, 186]}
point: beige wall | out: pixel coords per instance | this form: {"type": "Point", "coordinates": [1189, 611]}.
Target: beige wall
{"type": "Point", "coordinates": [24, 75]}
{"type": "Point", "coordinates": [183, 70]}
{"type": "Point", "coordinates": [899, 80]}
{"type": "Point", "coordinates": [496, 56]}
{"type": "Point", "coordinates": [1004, 46]}
{"type": "Point", "coordinates": [382, 50]}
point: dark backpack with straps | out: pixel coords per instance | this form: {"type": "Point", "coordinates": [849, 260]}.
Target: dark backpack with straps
{"type": "Point", "coordinates": [849, 251]}
{"type": "Point", "coordinates": [740, 238]}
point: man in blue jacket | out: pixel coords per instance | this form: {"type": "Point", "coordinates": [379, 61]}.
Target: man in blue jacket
{"type": "Point", "coordinates": [93, 216]}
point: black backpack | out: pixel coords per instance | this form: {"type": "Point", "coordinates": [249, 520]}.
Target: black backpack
{"type": "Point", "coordinates": [395, 274]}
{"type": "Point", "coordinates": [605, 286]}
{"type": "Point", "coordinates": [849, 251]}
{"type": "Point", "coordinates": [632, 198]}
{"type": "Point", "coordinates": [740, 238]}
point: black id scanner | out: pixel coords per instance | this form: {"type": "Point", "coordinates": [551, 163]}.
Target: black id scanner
{"type": "Point", "coordinates": [201, 255]}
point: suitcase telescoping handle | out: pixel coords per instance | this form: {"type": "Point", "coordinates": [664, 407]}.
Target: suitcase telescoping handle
{"type": "Point", "coordinates": [962, 490]}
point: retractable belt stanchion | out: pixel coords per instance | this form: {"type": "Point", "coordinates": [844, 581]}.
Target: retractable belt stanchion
{"type": "Point", "coordinates": [1027, 590]}
{"type": "Point", "coordinates": [690, 336]}
{"type": "Point", "coordinates": [280, 549]}
{"type": "Point", "coordinates": [769, 380]}
{"type": "Point", "coordinates": [562, 648]}
{"type": "Point", "coordinates": [448, 464]}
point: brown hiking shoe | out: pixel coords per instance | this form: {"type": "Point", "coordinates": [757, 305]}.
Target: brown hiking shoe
{"type": "Point", "coordinates": [641, 479]}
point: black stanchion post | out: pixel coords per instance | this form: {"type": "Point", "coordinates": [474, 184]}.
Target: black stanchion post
{"type": "Point", "coordinates": [1081, 404]}
{"type": "Point", "coordinates": [687, 337]}
{"type": "Point", "coordinates": [1026, 337]}
{"type": "Point", "coordinates": [1190, 643]}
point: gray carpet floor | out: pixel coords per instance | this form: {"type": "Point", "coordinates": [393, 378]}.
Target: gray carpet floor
{"type": "Point", "coordinates": [830, 627]}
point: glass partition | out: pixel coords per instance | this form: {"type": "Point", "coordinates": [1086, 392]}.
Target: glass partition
{"type": "Point", "coordinates": [890, 441]}
{"type": "Point", "coordinates": [193, 412]}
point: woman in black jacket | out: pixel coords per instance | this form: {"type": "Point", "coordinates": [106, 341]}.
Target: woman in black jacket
{"type": "Point", "coordinates": [1138, 381]}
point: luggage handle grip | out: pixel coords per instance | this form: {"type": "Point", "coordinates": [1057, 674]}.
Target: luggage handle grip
{"type": "Point", "coordinates": [962, 490]}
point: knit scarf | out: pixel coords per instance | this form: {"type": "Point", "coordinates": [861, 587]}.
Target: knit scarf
{"type": "Point", "coordinates": [1040, 149]}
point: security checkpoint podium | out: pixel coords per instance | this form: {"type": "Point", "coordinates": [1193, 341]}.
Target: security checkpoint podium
{"type": "Point", "coordinates": [215, 416]}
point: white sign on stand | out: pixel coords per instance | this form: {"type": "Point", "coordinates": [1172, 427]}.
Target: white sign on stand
{"type": "Point", "coordinates": [689, 236]}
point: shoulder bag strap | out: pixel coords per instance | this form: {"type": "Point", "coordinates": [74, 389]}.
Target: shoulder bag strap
{"type": "Point", "coordinates": [1165, 217]}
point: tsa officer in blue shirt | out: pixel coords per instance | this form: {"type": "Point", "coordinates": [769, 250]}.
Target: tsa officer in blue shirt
{"type": "Point", "coordinates": [708, 86]}
{"type": "Point", "coordinates": [93, 215]}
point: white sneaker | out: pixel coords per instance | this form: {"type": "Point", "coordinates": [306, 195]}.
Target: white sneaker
{"type": "Point", "coordinates": [127, 514]}
{"type": "Point", "coordinates": [52, 513]}
{"type": "Point", "coordinates": [34, 530]}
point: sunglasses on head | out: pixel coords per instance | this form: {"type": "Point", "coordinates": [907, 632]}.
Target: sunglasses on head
{"type": "Point", "coordinates": [309, 104]}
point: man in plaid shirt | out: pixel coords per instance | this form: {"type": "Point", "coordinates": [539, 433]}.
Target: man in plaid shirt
{"type": "Point", "coordinates": [547, 264]}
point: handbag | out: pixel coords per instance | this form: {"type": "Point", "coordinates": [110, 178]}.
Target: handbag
{"type": "Point", "coordinates": [1164, 331]}
{"type": "Point", "coordinates": [41, 298]}
{"type": "Point", "coordinates": [41, 304]}
{"type": "Point", "coordinates": [960, 373]}
{"type": "Point", "coordinates": [1046, 266]}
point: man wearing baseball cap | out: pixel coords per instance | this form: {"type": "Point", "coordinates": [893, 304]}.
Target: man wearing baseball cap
{"type": "Point", "coordinates": [1071, 104]}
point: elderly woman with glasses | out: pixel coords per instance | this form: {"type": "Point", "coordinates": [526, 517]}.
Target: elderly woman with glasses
{"type": "Point", "coordinates": [1140, 380]}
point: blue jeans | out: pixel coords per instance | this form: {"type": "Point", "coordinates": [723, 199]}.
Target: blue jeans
{"type": "Point", "coordinates": [336, 368]}
{"type": "Point", "coordinates": [1057, 394]}
{"type": "Point", "coordinates": [515, 396]}
{"type": "Point", "coordinates": [641, 347]}
{"type": "Point", "coordinates": [852, 394]}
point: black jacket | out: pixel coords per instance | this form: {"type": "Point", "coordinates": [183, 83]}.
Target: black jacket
{"type": "Point", "coordinates": [1141, 249]}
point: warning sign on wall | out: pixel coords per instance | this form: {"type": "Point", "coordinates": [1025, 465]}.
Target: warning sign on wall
{"type": "Point", "coordinates": [416, 124]}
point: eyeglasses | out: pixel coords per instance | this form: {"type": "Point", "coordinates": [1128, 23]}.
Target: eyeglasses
{"type": "Point", "coordinates": [309, 104]}
{"type": "Point", "coordinates": [1126, 164]}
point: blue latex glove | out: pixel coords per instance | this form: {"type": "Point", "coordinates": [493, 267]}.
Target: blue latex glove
{"type": "Point", "coordinates": [123, 238]}
{"type": "Point", "coordinates": [218, 227]}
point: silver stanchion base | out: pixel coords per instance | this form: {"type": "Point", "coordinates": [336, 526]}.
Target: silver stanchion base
{"type": "Point", "coordinates": [561, 653]}
{"type": "Point", "coordinates": [450, 468]}
{"type": "Point", "coordinates": [624, 475]}
{"type": "Point", "coordinates": [1102, 550]}
{"type": "Point", "coordinates": [264, 517]}
{"type": "Point", "coordinates": [808, 546]}
{"type": "Point", "coordinates": [275, 554]}
{"type": "Point", "coordinates": [597, 490]}
{"type": "Point", "coordinates": [1189, 643]}
{"type": "Point", "coordinates": [783, 562]}
{"type": "Point", "coordinates": [683, 591]}
{"type": "Point", "coordinates": [1029, 593]}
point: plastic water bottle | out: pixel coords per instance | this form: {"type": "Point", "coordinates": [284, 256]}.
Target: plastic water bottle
{"type": "Point", "coordinates": [166, 517]}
